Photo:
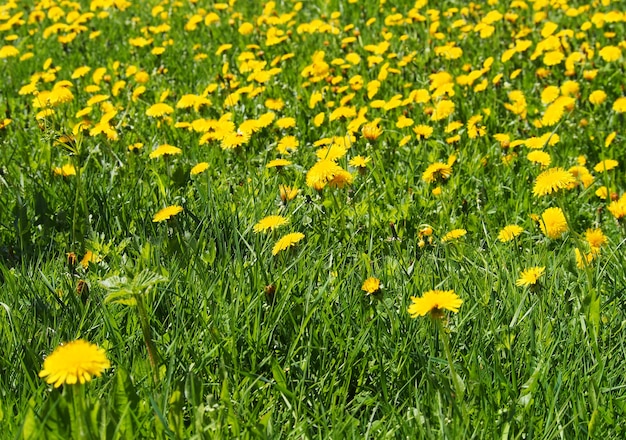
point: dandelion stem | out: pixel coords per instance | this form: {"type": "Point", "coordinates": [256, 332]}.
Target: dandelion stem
{"type": "Point", "coordinates": [446, 347]}
{"type": "Point", "coordinates": [79, 409]}
{"type": "Point", "coordinates": [147, 337]}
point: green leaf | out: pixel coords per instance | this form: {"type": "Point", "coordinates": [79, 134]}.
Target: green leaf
{"type": "Point", "coordinates": [122, 290]}
{"type": "Point", "coordinates": [125, 403]}
{"type": "Point", "coordinates": [30, 423]}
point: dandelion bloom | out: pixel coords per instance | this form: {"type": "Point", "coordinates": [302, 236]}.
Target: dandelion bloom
{"type": "Point", "coordinates": [270, 223]}
{"type": "Point", "coordinates": [597, 97]}
{"type": "Point", "coordinates": [552, 180]}
{"type": "Point", "coordinates": [199, 168]}
{"type": "Point", "coordinates": [165, 149]}
{"type": "Point", "coordinates": [286, 241]}
{"type": "Point", "coordinates": [595, 238]}
{"type": "Point", "coordinates": [553, 223]}
{"type": "Point", "coordinates": [287, 192]}
{"type": "Point", "coordinates": [159, 109]}
{"type": "Point", "coordinates": [320, 173]}
{"type": "Point", "coordinates": [234, 139]}
{"type": "Point", "coordinates": [540, 157]}
{"type": "Point", "coordinates": [605, 165]}
{"type": "Point", "coordinates": [610, 53]}
{"type": "Point", "coordinates": [618, 207]}
{"type": "Point", "coordinates": [359, 161]}
{"type": "Point", "coordinates": [371, 285]}
{"type": "Point", "coordinates": [454, 234]}
{"type": "Point", "coordinates": [65, 171]}
{"type": "Point", "coordinates": [435, 301]}
{"type": "Point", "coordinates": [76, 361]}
{"type": "Point", "coordinates": [371, 132]}
{"type": "Point", "coordinates": [423, 131]}
{"type": "Point", "coordinates": [278, 163]}
{"type": "Point", "coordinates": [509, 232]}
{"type": "Point", "coordinates": [442, 110]}
{"type": "Point", "coordinates": [619, 105]}
{"type": "Point", "coordinates": [584, 260]}
{"type": "Point", "coordinates": [530, 276]}
{"type": "Point", "coordinates": [436, 171]}
{"type": "Point", "coordinates": [607, 142]}
{"type": "Point", "coordinates": [287, 144]}
{"type": "Point", "coordinates": [167, 213]}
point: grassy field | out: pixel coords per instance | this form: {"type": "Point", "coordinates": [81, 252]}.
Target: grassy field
{"type": "Point", "coordinates": [316, 219]}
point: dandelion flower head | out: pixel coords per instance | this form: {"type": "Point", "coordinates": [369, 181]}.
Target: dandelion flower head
{"type": "Point", "coordinates": [286, 241]}
{"type": "Point", "coordinates": [553, 223]}
{"type": "Point", "coordinates": [552, 180]}
{"type": "Point", "coordinates": [167, 213]}
{"type": "Point", "coordinates": [371, 285]}
{"type": "Point", "coordinates": [530, 276]}
{"type": "Point", "coordinates": [509, 233]}
{"type": "Point", "coordinates": [75, 362]}
{"type": "Point", "coordinates": [434, 301]}
{"type": "Point", "coordinates": [270, 223]}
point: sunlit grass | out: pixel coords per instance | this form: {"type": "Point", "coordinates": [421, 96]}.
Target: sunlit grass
{"type": "Point", "coordinates": [312, 219]}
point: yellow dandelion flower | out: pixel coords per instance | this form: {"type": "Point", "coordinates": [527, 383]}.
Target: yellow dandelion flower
{"type": "Point", "coordinates": [618, 207]}
{"type": "Point", "coordinates": [287, 122]}
{"type": "Point", "coordinates": [597, 97]}
{"type": "Point", "coordinates": [165, 149]}
{"type": "Point", "coordinates": [287, 144]}
{"type": "Point", "coordinates": [359, 161]}
{"type": "Point", "coordinates": [609, 139]}
{"type": "Point", "coordinates": [453, 235]}
{"type": "Point", "coordinates": [509, 233]}
{"type": "Point", "coordinates": [584, 260]}
{"type": "Point", "coordinates": [270, 223]}
{"type": "Point", "coordinates": [158, 110]}
{"type": "Point", "coordinates": [437, 171]}
{"type": "Point", "coordinates": [371, 132]}
{"type": "Point", "coordinates": [75, 362]}
{"type": "Point", "coordinates": [619, 106]}
{"type": "Point", "coordinates": [442, 110]}
{"type": "Point", "coordinates": [8, 51]}
{"type": "Point", "coordinates": [287, 193]}
{"type": "Point", "coordinates": [434, 302]}
{"type": "Point", "coordinates": [540, 157]}
{"type": "Point", "coordinates": [274, 104]}
{"type": "Point", "coordinates": [4, 123]}
{"type": "Point", "coordinates": [404, 122]}
{"type": "Point", "coordinates": [553, 223]}
{"type": "Point", "coordinates": [530, 276]}
{"type": "Point", "coordinates": [66, 170]}
{"type": "Point", "coordinates": [371, 285]}
{"type": "Point", "coordinates": [167, 213]}
{"type": "Point", "coordinates": [552, 180]}
{"type": "Point", "coordinates": [341, 179]}
{"type": "Point", "coordinates": [278, 163]}
{"type": "Point", "coordinates": [582, 175]}
{"type": "Point", "coordinates": [423, 131]}
{"type": "Point", "coordinates": [595, 238]}
{"type": "Point", "coordinates": [605, 165]}
{"type": "Point", "coordinates": [324, 170]}
{"type": "Point", "coordinates": [199, 168]}
{"type": "Point", "coordinates": [287, 241]}
{"type": "Point", "coordinates": [553, 114]}
{"type": "Point", "coordinates": [610, 53]}
{"type": "Point", "coordinates": [232, 140]}
{"type": "Point", "coordinates": [602, 192]}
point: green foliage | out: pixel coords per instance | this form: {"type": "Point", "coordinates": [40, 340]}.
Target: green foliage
{"type": "Point", "coordinates": [227, 340]}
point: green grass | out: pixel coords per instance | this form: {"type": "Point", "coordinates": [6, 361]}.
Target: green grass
{"type": "Point", "coordinates": [253, 345]}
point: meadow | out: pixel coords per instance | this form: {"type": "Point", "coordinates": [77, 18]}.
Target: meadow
{"type": "Point", "coordinates": [312, 219]}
